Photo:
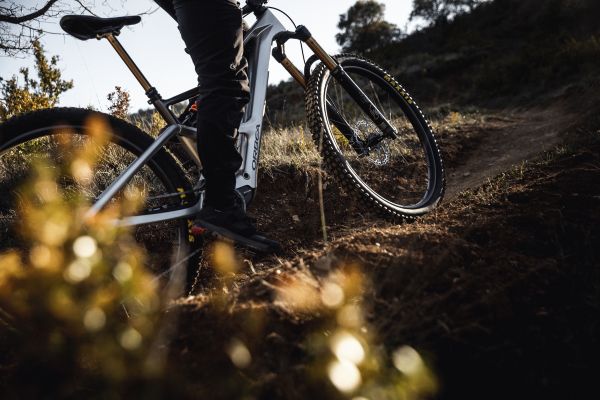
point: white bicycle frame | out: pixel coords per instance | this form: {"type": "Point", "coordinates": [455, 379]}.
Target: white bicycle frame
{"type": "Point", "coordinates": [259, 39]}
{"type": "Point", "coordinates": [258, 43]}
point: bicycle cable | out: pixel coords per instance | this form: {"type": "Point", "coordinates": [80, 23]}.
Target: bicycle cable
{"type": "Point", "coordinates": [295, 27]}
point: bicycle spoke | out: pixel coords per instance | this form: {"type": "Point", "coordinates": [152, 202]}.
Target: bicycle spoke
{"type": "Point", "coordinates": [401, 161]}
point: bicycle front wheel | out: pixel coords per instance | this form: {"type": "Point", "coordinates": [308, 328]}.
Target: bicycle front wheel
{"type": "Point", "coordinates": [43, 134]}
{"type": "Point", "coordinates": [402, 177]}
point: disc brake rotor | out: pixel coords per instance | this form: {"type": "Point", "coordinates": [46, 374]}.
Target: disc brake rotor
{"type": "Point", "coordinates": [379, 154]}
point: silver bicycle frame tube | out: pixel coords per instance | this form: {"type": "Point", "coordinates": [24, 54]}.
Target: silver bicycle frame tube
{"type": "Point", "coordinates": [124, 178]}
{"type": "Point", "coordinates": [260, 39]}
{"type": "Point", "coordinates": [262, 34]}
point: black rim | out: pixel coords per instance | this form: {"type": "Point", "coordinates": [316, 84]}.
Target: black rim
{"type": "Point", "coordinates": [364, 70]}
{"type": "Point", "coordinates": [179, 228]}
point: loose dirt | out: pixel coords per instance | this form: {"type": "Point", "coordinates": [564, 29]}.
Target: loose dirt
{"type": "Point", "coordinates": [498, 288]}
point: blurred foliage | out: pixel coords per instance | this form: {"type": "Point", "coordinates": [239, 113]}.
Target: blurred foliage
{"type": "Point", "coordinates": [80, 317]}
{"type": "Point", "coordinates": [364, 29]}
{"type": "Point", "coordinates": [347, 355]}
{"type": "Point", "coordinates": [299, 334]}
{"type": "Point", "coordinates": [78, 311]}
{"type": "Point", "coordinates": [33, 94]}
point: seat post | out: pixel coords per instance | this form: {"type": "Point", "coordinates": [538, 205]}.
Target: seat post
{"type": "Point", "coordinates": [128, 61]}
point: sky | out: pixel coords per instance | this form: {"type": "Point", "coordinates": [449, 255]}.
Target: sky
{"type": "Point", "coordinates": [157, 48]}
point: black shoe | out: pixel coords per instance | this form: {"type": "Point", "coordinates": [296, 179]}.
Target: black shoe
{"type": "Point", "coordinates": [234, 224]}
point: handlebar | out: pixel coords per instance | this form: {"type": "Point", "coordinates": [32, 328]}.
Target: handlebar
{"type": "Point", "coordinates": [254, 6]}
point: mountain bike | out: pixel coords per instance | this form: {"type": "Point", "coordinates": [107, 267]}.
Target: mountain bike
{"type": "Point", "coordinates": [372, 136]}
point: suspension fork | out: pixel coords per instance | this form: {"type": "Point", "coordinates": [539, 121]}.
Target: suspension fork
{"type": "Point", "coordinates": [335, 117]}
{"type": "Point", "coordinates": [340, 75]}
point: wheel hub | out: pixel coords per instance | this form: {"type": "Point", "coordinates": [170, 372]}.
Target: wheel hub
{"type": "Point", "coordinates": [379, 153]}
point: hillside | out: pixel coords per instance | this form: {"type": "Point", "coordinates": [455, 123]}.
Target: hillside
{"type": "Point", "coordinates": [503, 54]}
{"type": "Point", "coordinates": [495, 295]}
{"type": "Point", "coordinates": [499, 288]}
{"type": "Point", "coordinates": [508, 51]}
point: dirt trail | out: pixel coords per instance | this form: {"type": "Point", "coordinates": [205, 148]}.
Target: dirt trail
{"type": "Point", "coordinates": [521, 137]}
{"type": "Point", "coordinates": [287, 204]}
{"type": "Point", "coordinates": [498, 288]}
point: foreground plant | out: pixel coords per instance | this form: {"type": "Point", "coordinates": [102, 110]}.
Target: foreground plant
{"type": "Point", "coordinates": [290, 333]}
{"type": "Point", "coordinates": [78, 311]}
{"type": "Point", "coordinates": [81, 317]}
{"type": "Point", "coordinates": [346, 353]}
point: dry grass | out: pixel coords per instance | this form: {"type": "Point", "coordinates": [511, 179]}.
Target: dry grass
{"type": "Point", "coordinates": [294, 146]}
{"type": "Point", "coordinates": [290, 146]}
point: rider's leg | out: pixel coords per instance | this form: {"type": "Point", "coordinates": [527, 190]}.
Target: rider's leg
{"type": "Point", "coordinates": [212, 31]}
{"type": "Point", "coordinates": [168, 6]}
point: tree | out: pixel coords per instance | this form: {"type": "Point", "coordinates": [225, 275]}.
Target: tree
{"type": "Point", "coordinates": [34, 94]}
{"type": "Point", "coordinates": [434, 11]}
{"type": "Point", "coordinates": [20, 23]}
{"type": "Point", "coordinates": [23, 21]}
{"type": "Point", "coordinates": [364, 29]}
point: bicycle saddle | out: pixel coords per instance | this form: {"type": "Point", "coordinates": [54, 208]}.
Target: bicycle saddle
{"type": "Point", "coordinates": [86, 27]}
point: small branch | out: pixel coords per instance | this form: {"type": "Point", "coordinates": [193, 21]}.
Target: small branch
{"type": "Point", "coordinates": [85, 8]}
{"type": "Point", "coordinates": [28, 17]}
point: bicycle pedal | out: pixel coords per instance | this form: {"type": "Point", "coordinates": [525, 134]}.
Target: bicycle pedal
{"type": "Point", "coordinates": [256, 243]}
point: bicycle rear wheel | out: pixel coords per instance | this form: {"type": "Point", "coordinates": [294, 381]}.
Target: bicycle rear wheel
{"type": "Point", "coordinates": [42, 134]}
{"type": "Point", "coordinates": [401, 178]}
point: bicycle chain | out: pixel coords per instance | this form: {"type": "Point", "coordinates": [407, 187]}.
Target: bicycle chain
{"type": "Point", "coordinates": [178, 194]}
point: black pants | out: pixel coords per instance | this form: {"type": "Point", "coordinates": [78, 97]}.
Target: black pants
{"type": "Point", "coordinates": [212, 32]}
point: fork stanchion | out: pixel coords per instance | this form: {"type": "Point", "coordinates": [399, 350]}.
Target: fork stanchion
{"type": "Point", "coordinates": [348, 84]}
{"type": "Point", "coordinates": [329, 62]}
{"type": "Point", "coordinates": [279, 55]}
{"type": "Point", "coordinates": [295, 72]}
